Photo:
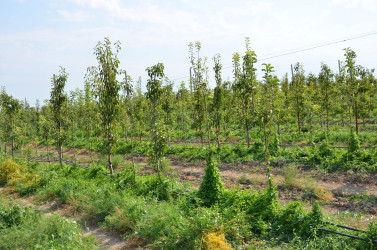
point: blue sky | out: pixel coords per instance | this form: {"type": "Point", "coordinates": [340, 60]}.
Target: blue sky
{"type": "Point", "coordinates": [38, 36]}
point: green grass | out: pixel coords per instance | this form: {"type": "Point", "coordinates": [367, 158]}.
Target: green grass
{"type": "Point", "coordinates": [152, 211]}
{"type": "Point", "coordinates": [25, 228]}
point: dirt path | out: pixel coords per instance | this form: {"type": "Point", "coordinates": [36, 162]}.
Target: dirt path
{"type": "Point", "coordinates": [105, 239]}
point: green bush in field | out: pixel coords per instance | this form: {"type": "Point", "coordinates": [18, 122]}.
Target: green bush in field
{"type": "Point", "coordinates": [211, 187]}
{"type": "Point", "coordinates": [23, 228]}
{"type": "Point", "coordinates": [354, 143]}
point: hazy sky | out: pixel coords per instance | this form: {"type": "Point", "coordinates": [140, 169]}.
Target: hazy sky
{"type": "Point", "coordinates": [38, 36]}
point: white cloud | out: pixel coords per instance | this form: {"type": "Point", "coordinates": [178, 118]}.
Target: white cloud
{"type": "Point", "coordinates": [77, 16]}
{"type": "Point", "coordinates": [368, 5]}
{"type": "Point", "coordinates": [111, 5]}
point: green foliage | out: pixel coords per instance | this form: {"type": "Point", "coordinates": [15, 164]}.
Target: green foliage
{"type": "Point", "coordinates": [106, 89]}
{"type": "Point", "coordinates": [371, 235]}
{"type": "Point", "coordinates": [13, 215]}
{"type": "Point", "coordinates": [159, 148]}
{"type": "Point", "coordinates": [211, 188]}
{"type": "Point", "coordinates": [11, 108]}
{"type": "Point", "coordinates": [58, 103]}
{"type": "Point", "coordinates": [354, 145]}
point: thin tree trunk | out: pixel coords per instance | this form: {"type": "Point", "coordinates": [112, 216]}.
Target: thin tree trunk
{"type": "Point", "coordinates": [132, 151]}
{"type": "Point", "coordinates": [350, 117]}
{"type": "Point", "coordinates": [12, 137]}
{"type": "Point", "coordinates": [125, 128]}
{"type": "Point", "coordinates": [109, 156]}
{"type": "Point", "coordinates": [60, 151]}
{"type": "Point", "coordinates": [60, 147]}
{"type": "Point", "coordinates": [246, 126]}
{"type": "Point", "coordinates": [48, 153]}
{"type": "Point", "coordinates": [356, 116]}
{"type": "Point", "coordinates": [327, 120]}
{"type": "Point", "coordinates": [298, 116]}
{"type": "Point", "coordinates": [247, 134]}
{"type": "Point", "coordinates": [342, 119]}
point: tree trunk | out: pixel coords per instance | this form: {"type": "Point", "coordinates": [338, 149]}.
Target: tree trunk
{"type": "Point", "coordinates": [247, 134]}
{"type": "Point", "coordinates": [60, 147]}
{"type": "Point", "coordinates": [60, 150]}
{"type": "Point", "coordinates": [298, 116]}
{"type": "Point", "coordinates": [356, 117]}
{"type": "Point", "coordinates": [126, 132]}
{"type": "Point", "coordinates": [12, 139]}
{"type": "Point", "coordinates": [132, 151]}
{"type": "Point", "coordinates": [342, 119]}
{"type": "Point", "coordinates": [278, 128]}
{"type": "Point", "coordinates": [327, 120]}
{"type": "Point", "coordinates": [48, 153]}
{"type": "Point", "coordinates": [350, 117]}
{"type": "Point", "coordinates": [109, 158]}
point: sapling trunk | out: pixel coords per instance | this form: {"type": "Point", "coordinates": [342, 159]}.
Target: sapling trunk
{"type": "Point", "coordinates": [109, 160]}
{"type": "Point", "coordinates": [12, 137]}
{"type": "Point", "coordinates": [132, 151]}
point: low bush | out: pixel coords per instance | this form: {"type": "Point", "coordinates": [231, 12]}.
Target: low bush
{"type": "Point", "coordinates": [24, 228]}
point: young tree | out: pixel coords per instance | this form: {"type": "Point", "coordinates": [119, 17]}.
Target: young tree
{"type": "Point", "coordinates": [167, 106]}
{"type": "Point", "coordinates": [352, 85]}
{"type": "Point", "coordinates": [341, 91]}
{"type": "Point", "coordinates": [106, 89]}
{"type": "Point", "coordinates": [267, 107]}
{"type": "Point", "coordinates": [90, 119]}
{"type": "Point", "coordinates": [245, 84]}
{"type": "Point", "coordinates": [154, 92]}
{"type": "Point", "coordinates": [325, 83]}
{"type": "Point", "coordinates": [182, 100]}
{"type": "Point", "coordinates": [58, 103]}
{"type": "Point", "coordinates": [45, 125]}
{"type": "Point", "coordinates": [298, 90]}
{"type": "Point", "coordinates": [11, 108]}
{"type": "Point", "coordinates": [128, 103]}
{"type": "Point", "coordinates": [218, 97]}
{"type": "Point", "coordinates": [199, 81]}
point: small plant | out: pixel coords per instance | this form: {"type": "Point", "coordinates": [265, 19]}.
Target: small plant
{"type": "Point", "coordinates": [291, 177]}
{"type": "Point", "coordinates": [294, 179]}
{"type": "Point", "coordinates": [243, 180]}
{"type": "Point", "coordinates": [8, 168]}
{"type": "Point", "coordinates": [354, 143]}
{"type": "Point", "coordinates": [215, 240]}
{"type": "Point", "coordinates": [211, 187]}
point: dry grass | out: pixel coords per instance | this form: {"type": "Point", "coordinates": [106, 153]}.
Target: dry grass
{"type": "Point", "coordinates": [293, 178]}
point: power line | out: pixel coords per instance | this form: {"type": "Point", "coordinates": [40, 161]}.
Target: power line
{"type": "Point", "coordinates": [310, 47]}
{"type": "Point", "coordinates": [321, 45]}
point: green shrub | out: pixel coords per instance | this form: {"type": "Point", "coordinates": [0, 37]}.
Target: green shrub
{"type": "Point", "coordinates": [354, 145]}
{"type": "Point", "coordinates": [211, 187]}
{"type": "Point", "coordinates": [53, 232]}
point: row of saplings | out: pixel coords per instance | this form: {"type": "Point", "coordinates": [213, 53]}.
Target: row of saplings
{"type": "Point", "coordinates": [251, 214]}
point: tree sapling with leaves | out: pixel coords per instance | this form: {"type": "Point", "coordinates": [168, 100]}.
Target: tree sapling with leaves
{"type": "Point", "coordinates": [58, 103]}
{"type": "Point", "coordinates": [106, 89]}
